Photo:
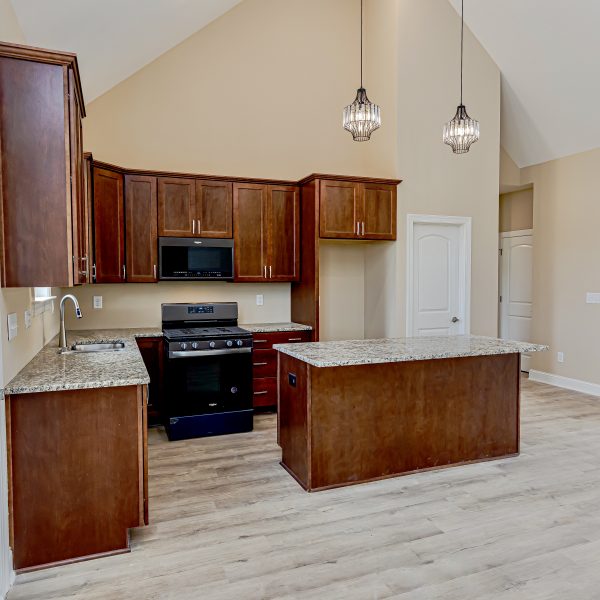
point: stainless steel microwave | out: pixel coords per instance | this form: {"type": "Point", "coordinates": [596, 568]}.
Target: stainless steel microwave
{"type": "Point", "coordinates": [195, 259]}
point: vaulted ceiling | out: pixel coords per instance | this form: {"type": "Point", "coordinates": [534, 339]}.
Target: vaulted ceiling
{"type": "Point", "coordinates": [113, 38]}
{"type": "Point", "coordinates": [549, 54]}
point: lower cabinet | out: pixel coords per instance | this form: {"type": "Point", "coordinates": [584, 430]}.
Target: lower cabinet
{"type": "Point", "coordinates": [264, 364]}
{"type": "Point", "coordinates": [78, 473]}
{"type": "Point", "coordinates": [151, 350]}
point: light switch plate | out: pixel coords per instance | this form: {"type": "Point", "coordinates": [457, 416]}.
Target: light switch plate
{"type": "Point", "coordinates": [27, 319]}
{"type": "Point", "coordinates": [260, 300]}
{"type": "Point", "coordinates": [13, 326]}
{"type": "Point", "coordinates": [97, 302]}
{"type": "Point", "coordinates": [592, 298]}
{"type": "Point", "coordinates": [560, 357]}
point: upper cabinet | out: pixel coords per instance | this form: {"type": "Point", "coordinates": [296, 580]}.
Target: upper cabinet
{"type": "Point", "coordinates": [194, 208]}
{"type": "Point", "coordinates": [141, 245]}
{"type": "Point", "coordinates": [43, 233]}
{"type": "Point", "coordinates": [266, 226]}
{"type": "Point", "coordinates": [358, 210]}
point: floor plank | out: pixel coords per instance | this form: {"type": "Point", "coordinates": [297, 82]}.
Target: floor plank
{"type": "Point", "coordinates": [228, 523]}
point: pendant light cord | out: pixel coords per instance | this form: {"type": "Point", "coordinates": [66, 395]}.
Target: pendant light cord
{"type": "Point", "coordinates": [361, 43]}
{"type": "Point", "coordinates": [462, 44]}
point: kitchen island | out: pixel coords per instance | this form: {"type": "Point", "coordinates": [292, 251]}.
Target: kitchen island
{"type": "Point", "coordinates": [362, 410]}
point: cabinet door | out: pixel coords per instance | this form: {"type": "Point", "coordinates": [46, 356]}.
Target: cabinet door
{"type": "Point", "coordinates": [249, 231]}
{"type": "Point", "coordinates": [141, 227]}
{"type": "Point", "coordinates": [79, 213]}
{"type": "Point", "coordinates": [378, 211]}
{"type": "Point", "coordinates": [109, 230]}
{"type": "Point", "coordinates": [176, 207]}
{"type": "Point", "coordinates": [214, 201]}
{"type": "Point", "coordinates": [339, 208]}
{"type": "Point", "coordinates": [283, 212]}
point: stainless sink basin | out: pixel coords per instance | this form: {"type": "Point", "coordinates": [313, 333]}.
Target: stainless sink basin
{"type": "Point", "coordinates": [97, 347]}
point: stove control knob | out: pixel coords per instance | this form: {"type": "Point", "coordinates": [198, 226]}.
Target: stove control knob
{"type": "Point", "coordinates": [183, 346]}
{"type": "Point", "coordinates": [211, 345]}
{"type": "Point", "coordinates": [239, 342]}
{"type": "Point", "coordinates": [229, 343]}
{"type": "Point", "coordinates": [195, 345]}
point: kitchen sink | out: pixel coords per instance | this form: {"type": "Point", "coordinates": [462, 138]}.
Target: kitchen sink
{"type": "Point", "coordinates": [97, 347]}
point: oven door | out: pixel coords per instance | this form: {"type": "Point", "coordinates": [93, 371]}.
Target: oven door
{"type": "Point", "coordinates": [208, 383]}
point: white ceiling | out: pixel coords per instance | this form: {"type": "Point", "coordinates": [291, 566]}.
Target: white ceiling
{"type": "Point", "coordinates": [113, 38]}
{"type": "Point", "coordinates": [549, 54]}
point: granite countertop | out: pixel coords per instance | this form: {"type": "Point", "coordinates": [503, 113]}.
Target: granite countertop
{"type": "Point", "coordinates": [50, 371]}
{"type": "Point", "coordinates": [389, 350]}
{"type": "Point", "coordinates": [274, 327]}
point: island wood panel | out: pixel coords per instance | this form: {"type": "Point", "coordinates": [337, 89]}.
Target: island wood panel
{"type": "Point", "coordinates": [283, 213]}
{"type": "Point", "coordinates": [34, 174]}
{"type": "Point", "coordinates": [214, 208]}
{"type": "Point", "coordinates": [109, 227]}
{"type": "Point", "coordinates": [250, 231]}
{"type": "Point", "coordinates": [305, 292]}
{"type": "Point", "coordinates": [141, 212]}
{"type": "Point", "coordinates": [78, 460]}
{"type": "Point", "coordinates": [151, 350]}
{"type": "Point", "coordinates": [369, 422]}
{"type": "Point", "coordinates": [176, 207]}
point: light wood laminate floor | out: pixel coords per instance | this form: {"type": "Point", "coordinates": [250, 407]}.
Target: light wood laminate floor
{"type": "Point", "coordinates": [228, 523]}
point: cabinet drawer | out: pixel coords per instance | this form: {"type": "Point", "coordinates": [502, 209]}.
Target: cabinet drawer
{"type": "Point", "coordinates": [264, 363]}
{"type": "Point", "coordinates": [265, 392]}
{"type": "Point", "coordinates": [265, 341]}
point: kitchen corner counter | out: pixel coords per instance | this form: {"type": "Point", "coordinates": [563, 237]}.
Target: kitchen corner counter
{"type": "Point", "coordinates": [50, 371]}
{"type": "Point", "coordinates": [274, 327]}
{"type": "Point", "coordinates": [390, 350]}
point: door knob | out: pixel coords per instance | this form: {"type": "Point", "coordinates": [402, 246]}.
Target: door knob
{"type": "Point", "coordinates": [455, 319]}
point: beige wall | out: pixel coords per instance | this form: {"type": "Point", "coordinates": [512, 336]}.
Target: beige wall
{"type": "Point", "coordinates": [10, 30]}
{"type": "Point", "coordinates": [510, 174]}
{"type": "Point", "coordinates": [259, 92]}
{"type": "Point", "coordinates": [566, 258]}
{"type": "Point", "coordinates": [516, 210]}
{"type": "Point", "coordinates": [138, 304]}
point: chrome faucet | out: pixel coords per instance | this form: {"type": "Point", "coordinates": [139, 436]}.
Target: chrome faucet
{"type": "Point", "coordinates": [62, 334]}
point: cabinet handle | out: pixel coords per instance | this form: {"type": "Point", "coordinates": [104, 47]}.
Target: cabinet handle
{"type": "Point", "coordinates": [193, 225]}
{"type": "Point", "coordinates": [260, 364]}
{"type": "Point", "coordinates": [261, 393]}
{"type": "Point", "coordinates": [260, 341]}
{"type": "Point", "coordinates": [94, 271]}
{"type": "Point", "coordinates": [265, 271]}
{"type": "Point", "coordinates": [270, 272]}
{"type": "Point", "coordinates": [295, 339]}
{"type": "Point", "coordinates": [199, 228]}
{"type": "Point", "coordinates": [124, 273]}
{"type": "Point", "coordinates": [357, 228]}
{"type": "Point", "coordinates": [363, 228]}
{"type": "Point", "coordinates": [155, 273]}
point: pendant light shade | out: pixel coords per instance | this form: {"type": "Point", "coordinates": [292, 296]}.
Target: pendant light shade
{"type": "Point", "coordinates": [462, 130]}
{"type": "Point", "coordinates": [362, 117]}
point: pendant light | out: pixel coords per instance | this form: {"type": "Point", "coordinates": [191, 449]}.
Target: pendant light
{"type": "Point", "coordinates": [362, 117]}
{"type": "Point", "coordinates": [461, 131]}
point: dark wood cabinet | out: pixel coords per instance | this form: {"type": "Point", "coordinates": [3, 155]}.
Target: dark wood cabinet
{"type": "Point", "coordinates": [264, 364]}
{"type": "Point", "coordinates": [176, 207]}
{"type": "Point", "coordinates": [213, 211]}
{"type": "Point", "coordinates": [266, 232]}
{"type": "Point", "coordinates": [42, 228]}
{"type": "Point", "coordinates": [141, 215]}
{"type": "Point", "coordinates": [109, 227]}
{"type": "Point", "coordinates": [357, 210]}
{"type": "Point", "coordinates": [151, 350]}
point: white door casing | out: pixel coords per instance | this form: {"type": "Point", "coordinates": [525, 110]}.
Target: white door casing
{"type": "Point", "coordinates": [438, 275]}
{"type": "Point", "coordinates": [516, 288]}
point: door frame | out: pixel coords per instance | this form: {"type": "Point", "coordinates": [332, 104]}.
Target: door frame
{"type": "Point", "coordinates": [464, 266]}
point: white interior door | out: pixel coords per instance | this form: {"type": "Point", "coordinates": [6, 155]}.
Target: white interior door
{"type": "Point", "coordinates": [516, 274]}
{"type": "Point", "coordinates": [438, 280]}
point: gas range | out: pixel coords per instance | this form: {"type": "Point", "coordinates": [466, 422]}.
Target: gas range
{"type": "Point", "coordinates": [208, 370]}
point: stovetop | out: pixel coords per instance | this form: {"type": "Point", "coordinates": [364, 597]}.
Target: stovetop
{"type": "Point", "coordinates": [187, 333]}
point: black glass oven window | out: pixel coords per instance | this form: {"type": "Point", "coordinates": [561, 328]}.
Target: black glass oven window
{"type": "Point", "coordinates": [184, 261]}
{"type": "Point", "coordinates": [204, 378]}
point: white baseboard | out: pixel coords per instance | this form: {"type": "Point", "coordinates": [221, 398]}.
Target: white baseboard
{"type": "Point", "coordinates": [577, 385]}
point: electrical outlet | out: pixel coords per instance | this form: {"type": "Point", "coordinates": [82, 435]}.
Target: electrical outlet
{"type": "Point", "coordinates": [97, 302]}
{"type": "Point", "coordinates": [260, 300]}
{"type": "Point", "coordinates": [27, 319]}
{"type": "Point", "coordinates": [592, 298]}
{"type": "Point", "coordinates": [13, 326]}
{"type": "Point", "coordinates": [560, 357]}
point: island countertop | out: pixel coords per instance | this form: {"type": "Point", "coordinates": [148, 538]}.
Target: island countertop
{"type": "Point", "coordinates": [391, 350]}
{"type": "Point", "coordinates": [50, 371]}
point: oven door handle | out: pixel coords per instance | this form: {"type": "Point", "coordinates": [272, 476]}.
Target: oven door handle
{"type": "Point", "coordinates": [197, 353]}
